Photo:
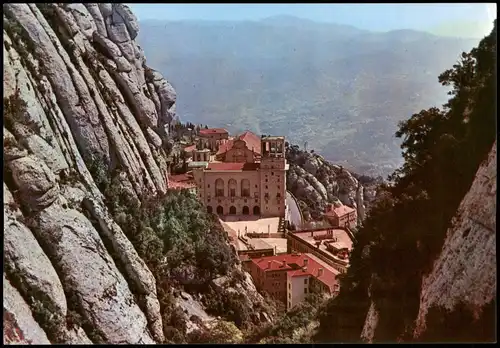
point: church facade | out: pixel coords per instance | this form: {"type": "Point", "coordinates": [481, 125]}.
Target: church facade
{"type": "Point", "coordinates": [246, 177]}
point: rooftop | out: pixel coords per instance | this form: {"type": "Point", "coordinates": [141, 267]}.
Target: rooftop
{"type": "Point", "coordinates": [339, 238]}
{"type": "Point", "coordinates": [339, 211]}
{"type": "Point", "coordinates": [213, 131]}
{"type": "Point", "coordinates": [232, 166]}
{"type": "Point", "coordinates": [293, 264]}
{"type": "Point", "coordinates": [272, 137]}
{"type": "Point", "coordinates": [278, 244]}
{"type": "Point", "coordinates": [181, 181]}
{"type": "Point", "coordinates": [197, 164]}
{"type": "Point", "coordinates": [190, 148]}
{"type": "Point", "coordinates": [251, 140]}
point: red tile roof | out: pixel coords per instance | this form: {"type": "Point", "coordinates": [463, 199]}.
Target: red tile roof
{"type": "Point", "coordinates": [339, 211]}
{"type": "Point", "coordinates": [232, 166]}
{"type": "Point", "coordinates": [181, 181]}
{"type": "Point", "coordinates": [213, 131]}
{"type": "Point", "coordinates": [312, 269]}
{"type": "Point", "coordinates": [251, 140]}
{"type": "Point", "coordinates": [225, 146]}
{"type": "Point", "coordinates": [190, 148]}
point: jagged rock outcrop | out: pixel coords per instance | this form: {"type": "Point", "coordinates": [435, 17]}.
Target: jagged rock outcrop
{"type": "Point", "coordinates": [317, 182]}
{"type": "Point", "coordinates": [77, 90]}
{"type": "Point", "coordinates": [466, 267]}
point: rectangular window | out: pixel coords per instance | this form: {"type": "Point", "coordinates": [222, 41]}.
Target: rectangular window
{"type": "Point", "coordinates": [289, 286]}
{"type": "Point", "coordinates": [305, 290]}
{"type": "Point", "coordinates": [305, 281]}
{"type": "Point", "coordinates": [232, 192]}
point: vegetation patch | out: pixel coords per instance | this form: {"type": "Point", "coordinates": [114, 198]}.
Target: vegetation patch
{"type": "Point", "coordinates": [406, 227]}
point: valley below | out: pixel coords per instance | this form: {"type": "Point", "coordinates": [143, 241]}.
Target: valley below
{"type": "Point", "coordinates": [336, 89]}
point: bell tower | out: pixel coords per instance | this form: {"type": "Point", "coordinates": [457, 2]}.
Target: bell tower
{"type": "Point", "coordinates": [273, 169]}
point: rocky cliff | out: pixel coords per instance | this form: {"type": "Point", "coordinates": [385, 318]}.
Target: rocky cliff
{"type": "Point", "coordinates": [316, 182]}
{"type": "Point", "coordinates": [465, 271]}
{"type": "Point", "coordinates": [77, 91]}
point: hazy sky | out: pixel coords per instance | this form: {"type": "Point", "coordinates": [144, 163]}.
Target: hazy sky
{"type": "Point", "coordinates": [365, 16]}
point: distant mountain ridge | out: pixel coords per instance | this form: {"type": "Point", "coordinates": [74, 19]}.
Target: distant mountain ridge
{"type": "Point", "coordinates": [337, 87]}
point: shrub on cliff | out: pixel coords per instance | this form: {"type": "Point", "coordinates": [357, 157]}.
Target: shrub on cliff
{"type": "Point", "coordinates": [405, 231]}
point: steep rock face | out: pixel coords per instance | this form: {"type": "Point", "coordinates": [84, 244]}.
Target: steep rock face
{"type": "Point", "coordinates": [77, 90]}
{"type": "Point", "coordinates": [316, 182]}
{"type": "Point", "coordinates": [19, 327]}
{"type": "Point", "coordinates": [466, 268]}
{"type": "Point", "coordinates": [371, 322]}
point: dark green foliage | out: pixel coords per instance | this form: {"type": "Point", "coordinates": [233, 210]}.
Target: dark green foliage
{"type": "Point", "coordinates": [232, 305]}
{"type": "Point", "coordinates": [283, 328]}
{"type": "Point", "coordinates": [42, 308]}
{"type": "Point", "coordinates": [181, 243]}
{"type": "Point", "coordinates": [405, 229]}
{"type": "Point", "coordinates": [14, 112]}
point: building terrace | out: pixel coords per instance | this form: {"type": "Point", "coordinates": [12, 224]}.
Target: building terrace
{"type": "Point", "coordinates": [330, 245]}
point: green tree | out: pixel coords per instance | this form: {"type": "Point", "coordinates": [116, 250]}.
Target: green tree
{"type": "Point", "coordinates": [405, 229]}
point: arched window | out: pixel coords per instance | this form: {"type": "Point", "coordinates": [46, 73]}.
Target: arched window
{"type": "Point", "coordinates": [245, 188]}
{"type": "Point", "coordinates": [232, 210]}
{"type": "Point", "coordinates": [232, 188]}
{"type": "Point", "coordinates": [246, 210]}
{"type": "Point", "coordinates": [219, 188]}
{"type": "Point", "coordinates": [256, 210]}
{"type": "Point", "coordinates": [220, 210]}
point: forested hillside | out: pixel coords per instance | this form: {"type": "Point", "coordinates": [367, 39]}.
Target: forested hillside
{"type": "Point", "coordinates": [405, 229]}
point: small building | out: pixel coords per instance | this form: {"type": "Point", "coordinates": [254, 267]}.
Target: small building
{"type": "Point", "coordinates": [212, 137]}
{"type": "Point", "coordinates": [197, 165]}
{"type": "Point", "coordinates": [201, 155]}
{"type": "Point", "coordinates": [341, 216]}
{"type": "Point", "coordinates": [289, 278]}
{"type": "Point", "coordinates": [182, 181]}
{"type": "Point", "coordinates": [330, 245]}
{"type": "Point", "coordinates": [188, 151]}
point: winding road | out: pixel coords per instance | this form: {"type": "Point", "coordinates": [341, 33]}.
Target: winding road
{"type": "Point", "coordinates": [294, 215]}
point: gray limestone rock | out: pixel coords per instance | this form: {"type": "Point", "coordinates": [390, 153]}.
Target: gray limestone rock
{"type": "Point", "coordinates": [89, 273]}
{"type": "Point", "coordinates": [19, 327]}
{"type": "Point", "coordinates": [85, 93]}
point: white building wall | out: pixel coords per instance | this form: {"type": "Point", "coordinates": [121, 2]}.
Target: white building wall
{"type": "Point", "coordinates": [295, 291]}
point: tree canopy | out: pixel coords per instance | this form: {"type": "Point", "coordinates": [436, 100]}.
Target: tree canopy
{"type": "Point", "coordinates": [406, 228]}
